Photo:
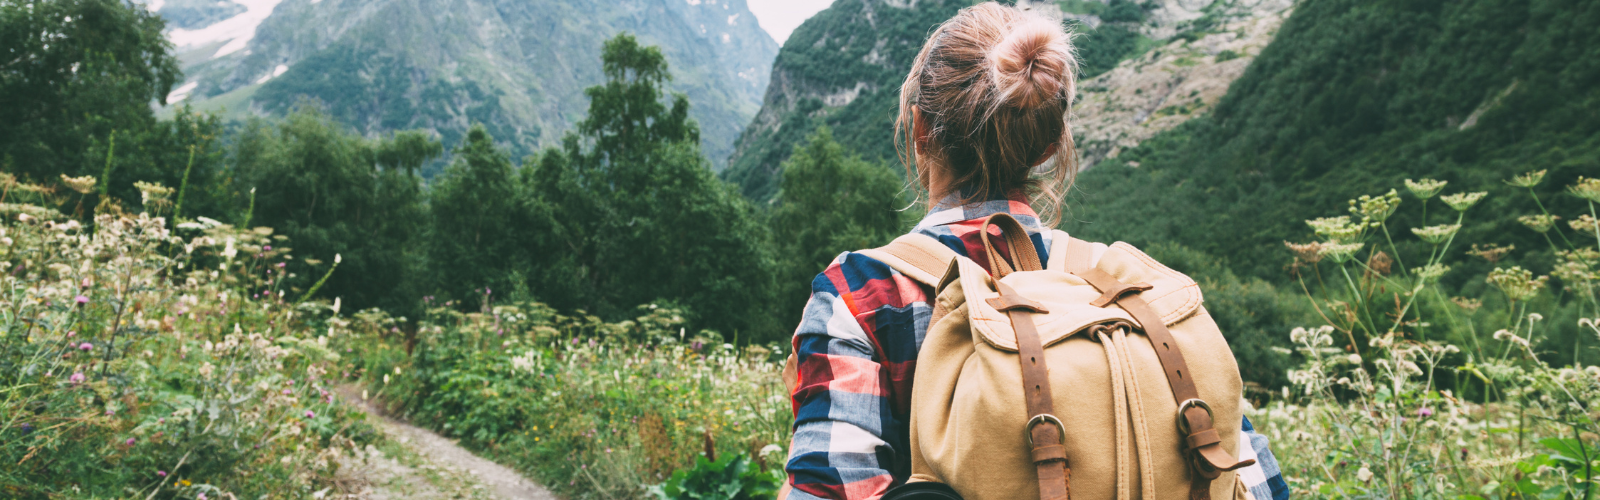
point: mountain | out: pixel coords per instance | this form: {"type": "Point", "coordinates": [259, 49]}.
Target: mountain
{"type": "Point", "coordinates": [843, 68]}
{"type": "Point", "coordinates": [1351, 98]}
{"type": "Point", "coordinates": [519, 67]}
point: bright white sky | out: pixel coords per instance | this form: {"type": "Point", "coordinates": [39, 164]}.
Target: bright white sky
{"type": "Point", "coordinates": [780, 17]}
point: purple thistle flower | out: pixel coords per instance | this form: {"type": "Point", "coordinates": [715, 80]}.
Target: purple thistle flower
{"type": "Point", "coordinates": [267, 248]}
{"type": "Point", "coordinates": [1424, 412]}
{"type": "Point", "coordinates": [287, 392]}
{"type": "Point", "coordinates": [281, 264]}
{"type": "Point", "coordinates": [161, 473]}
{"type": "Point", "coordinates": [131, 441]}
{"type": "Point", "coordinates": [76, 378]}
{"type": "Point", "coordinates": [310, 414]}
{"type": "Point", "coordinates": [85, 346]}
{"type": "Point", "coordinates": [27, 428]}
{"type": "Point", "coordinates": [82, 299]}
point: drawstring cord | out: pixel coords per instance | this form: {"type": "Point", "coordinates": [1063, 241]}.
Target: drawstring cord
{"type": "Point", "coordinates": [1129, 416]}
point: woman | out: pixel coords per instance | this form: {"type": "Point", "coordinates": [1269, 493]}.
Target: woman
{"type": "Point", "coordinates": [983, 108]}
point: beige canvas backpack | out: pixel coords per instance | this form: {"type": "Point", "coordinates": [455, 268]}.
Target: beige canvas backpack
{"type": "Point", "coordinates": [1126, 388]}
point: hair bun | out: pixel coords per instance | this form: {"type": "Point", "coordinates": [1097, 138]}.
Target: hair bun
{"type": "Point", "coordinates": [1033, 65]}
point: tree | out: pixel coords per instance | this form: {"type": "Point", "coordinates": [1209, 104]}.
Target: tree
{"type": "Point", "coordinates": [322, 186]}
{"type": "Point", "coordinates": [629, 211]}
{"type": "Point", "coordinates": [477, 223]}
{"type": "Point", "coordinates": [830, 202]}
{"type": "Point", "coordinates": [73, 72]}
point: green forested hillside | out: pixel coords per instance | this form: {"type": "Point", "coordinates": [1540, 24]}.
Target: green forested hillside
{"type": "Point", "coordinates": [1351, 98]}
{"type": "Point", "coordinates": [841, 68]}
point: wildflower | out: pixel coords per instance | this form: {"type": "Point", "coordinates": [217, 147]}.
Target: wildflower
{"type": "Point", "coordinates": [1376, 208]}
{"type": "Point", "coordinates": [335, 307]}
{"type": "Point", "coordinates": [1431, 272]}
{"type": "Point", "coordinates": [1584, 223]}
{"type": "Point", "coordinates": [1517, 283]}
{"type": "Point", "coordinates": [27, 428]}
{"type": "Point", "coordinates": [1364, 474]}
{"type": "Point", "coordinates": [1337, 229]}
{"type": "Point", "coordinates": [1538, 223]}
{"type": "Point", "coordinates": [1341, 252]}
{"type": "Point", "coordinates": [152, 193]}
{"type": "Point", "coordinates": [81, 299]}
{"type": "Point", "coordinates": [130, 441]}
{"type": "Point", "coordinates": [206, 369]}
{"type": "Point", "coordinates": [1463, 201]}
{"type": "Point", "coordinates": [85, 346]}
{"type": "Point", "coordinates": [337, 259]}
{"type": "Point", "coordinates": [83, 185]}
{"type": "Point", "coordinates": [1527, 180]}
{"type": "Point", "coordinates": [1355, 359]}
{"type": "Point", "coordinates": [1491, 253]}
{"type": "Point", "coordinates": [1309, 253]}
{"type": "Point", "coordinates": [1435, 235]}
{"type": "Point", "coordinates": [161, 473]}
{"type": "Point", "coordinates": [1425, 188]}
{"type": "Point", "coordinates": [1586, 188]}
{"type": "Point", "coordinates": [201, 496]}
{"type": "Point", "coordinates": [76, 378]}
{"type": "Point", "coordinates": [310, 414]}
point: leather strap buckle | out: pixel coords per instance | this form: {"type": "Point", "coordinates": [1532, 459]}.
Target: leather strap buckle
{"type": "Point", "coordinates": [1061, 429]}
{"type": "Point", "coordinates": [1183, 423]}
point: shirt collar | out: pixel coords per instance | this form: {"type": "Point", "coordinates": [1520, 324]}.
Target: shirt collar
{"type": "Point", "coordinates": [950, 210]}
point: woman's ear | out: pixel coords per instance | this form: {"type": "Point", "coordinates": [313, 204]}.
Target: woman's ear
{"type": "Point", "coordinates": [1048, 152]}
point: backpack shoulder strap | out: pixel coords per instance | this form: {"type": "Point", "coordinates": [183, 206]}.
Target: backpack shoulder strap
{"type": "Point", "coordinates": [1069, 254]}
{"type": "Point", "coordinates": [918, 256]}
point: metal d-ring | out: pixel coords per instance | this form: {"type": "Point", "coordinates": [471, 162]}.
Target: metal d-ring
{"type": "Point", "coordinates": [1183, 423]}
{"type": "Point", "coordinates": [1061, 429]}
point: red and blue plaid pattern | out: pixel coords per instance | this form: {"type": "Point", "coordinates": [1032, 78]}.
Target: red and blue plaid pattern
{"type": "Point", "coordinates": [857, 350]}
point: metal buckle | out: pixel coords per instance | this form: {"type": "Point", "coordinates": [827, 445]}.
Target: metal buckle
{"type": "Point", "coordinates": [1183, 423]}
{"type": "Point", "coordinates": [1061, 430]}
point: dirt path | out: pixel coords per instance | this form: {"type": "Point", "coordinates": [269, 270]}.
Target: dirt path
{"type": "Point", "coordinates": [419, 464]}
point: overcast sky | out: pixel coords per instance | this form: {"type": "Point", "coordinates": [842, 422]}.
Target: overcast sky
{"type": "Point", "coordinates": [780, 17]}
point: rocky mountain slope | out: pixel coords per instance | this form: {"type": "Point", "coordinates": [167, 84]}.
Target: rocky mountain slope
{"type": "Point", "coordinates": [518, 67]}
{"type": "Point", "coordinates": [1144, 65]}
{"type": "Point", "coordinates": [1173, 82]}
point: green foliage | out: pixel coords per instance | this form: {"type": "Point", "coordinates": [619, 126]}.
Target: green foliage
{"type": "Point", "coordinates": [831, 202]}
{"type": "Point", "coordinates": [1352, 97]}
{"type": "Point", "coordinates": [731, 477]}
{"type": "Point", "coordinates": [627, 210]}
{"type": "Point", "coordinates": [323, 187]}
{"type": "Point", "coordinates": [157, 373]}
{"type": "Point", "coordinates": [76, 70]}
{"type": "Point", "coordinates": [82, 71]}
{"type": "Point", "coordinates": [479, 234]}
{"type": "Point", "coordinates": [592, 409]}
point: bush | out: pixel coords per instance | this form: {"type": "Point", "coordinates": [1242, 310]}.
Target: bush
{"type": "Point", "coordinates": [135, 362]}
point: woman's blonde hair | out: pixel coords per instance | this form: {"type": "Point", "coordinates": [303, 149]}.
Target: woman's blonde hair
{"type": "Point", "coordinates": [994, 85]}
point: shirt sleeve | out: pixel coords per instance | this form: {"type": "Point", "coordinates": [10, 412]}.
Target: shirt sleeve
{"type": "Point", "coordinates": [1264, 479]}
{"type": "Point", "coordinates": [842, 422]}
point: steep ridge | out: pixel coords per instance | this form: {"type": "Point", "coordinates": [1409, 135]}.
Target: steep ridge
{"type": "Point", "coordinates": [1351, 98]}
{"type": "Point", "coordinates": [843, 67]}
{"type": "Point", "coordinates": [518, 67]}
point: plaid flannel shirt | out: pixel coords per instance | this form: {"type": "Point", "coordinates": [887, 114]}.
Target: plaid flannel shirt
{"type": "Point", "coordinates": [857, 347]}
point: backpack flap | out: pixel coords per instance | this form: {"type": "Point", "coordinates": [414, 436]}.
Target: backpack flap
{"type": "Point", "coordinates": [1068, 298]}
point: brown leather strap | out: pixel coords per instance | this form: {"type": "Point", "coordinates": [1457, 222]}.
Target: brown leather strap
{"type": "Point", "coordinates": [1023, 256]}
{"type": "Point", "coordinates": [1207, 458]}
{"type": "Point", "coordinates": [1049, 456]}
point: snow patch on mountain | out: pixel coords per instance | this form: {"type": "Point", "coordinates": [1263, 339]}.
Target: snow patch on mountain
{"type": "Point", "coordinates": [236, 31]}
